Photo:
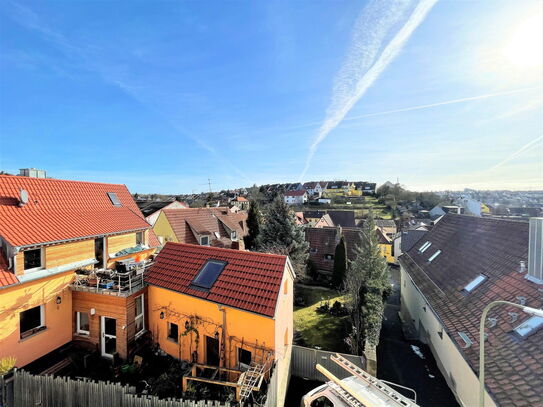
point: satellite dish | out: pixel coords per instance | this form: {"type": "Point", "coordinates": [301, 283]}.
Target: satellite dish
{"type": "Point", "coordinates": [23, 197]}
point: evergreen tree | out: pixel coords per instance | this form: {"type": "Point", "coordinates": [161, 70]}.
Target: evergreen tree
{"type": "Point", "coordinates": [340, 264]}
{"type": "Point", "coordinates": [280, 234]}
{"type": "Point", "coordinates": [254, 222]}
{"type": "Point", "coordinates": [367, 283]}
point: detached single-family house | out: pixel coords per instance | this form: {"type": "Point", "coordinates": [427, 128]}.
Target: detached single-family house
{"type": "Point", "coordinates": [62, 244]}
{"type": "Point", "coordinates": [224, 308]}
{"type": "Point", "coordinates": [386, 246]}
{"type": "Point", "coordinates": [295, 197]}
{"type": "Point", "coordinates": [151, 209]}
{"type": "Point", "coordinates": [387, 226]}
{"type": "Point", "coordinates": [240, 202]}
{"type": "Point", "coordinates": [450, 275]}
{"type": "Point", "coordinates": [218, 227]}
{"type": "Point", "coordinates": [313, 189]}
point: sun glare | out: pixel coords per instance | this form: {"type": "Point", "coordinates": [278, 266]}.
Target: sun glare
{"type": "Point", "coordinates": [524, 48]}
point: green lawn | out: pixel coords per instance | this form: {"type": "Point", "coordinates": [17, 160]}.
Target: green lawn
{"type": "Point", "coordinates": [325, 331]}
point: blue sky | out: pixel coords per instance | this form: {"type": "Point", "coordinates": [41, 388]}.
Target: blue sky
{"type": "Point", "coordinates": [162, 95]}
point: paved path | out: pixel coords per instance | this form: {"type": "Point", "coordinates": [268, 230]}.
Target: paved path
{"type": "Point", "coordinates": [409, 363]}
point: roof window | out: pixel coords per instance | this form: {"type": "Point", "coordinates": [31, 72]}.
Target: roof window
{"type": "Point", "coordinates": [475, 283]}
{"type": "Point", "coordinates": [424, 247]}
{"type": "Point", "coordinates": [208, 274]}
{"type": "Point", "coordinates": [529, 326]}
{"type": "Point", "coordinates": [434, 256]}
{"type": "Point", "coordinates": [114, 198]}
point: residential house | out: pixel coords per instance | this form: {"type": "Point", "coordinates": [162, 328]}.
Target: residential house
{"type": "Point", "coordinates": [365, 188]}
{"type": "Point", "coordinates": [300, 220]}
{"type": "Point", "coordinates": [322, 246]}
{"type": "Point", "coordinates": [340, 188]}
{"type": "Point", "coordinates": [314, 189]}
{"type": "Point", "coordinates": [405, 240]}
{"type": "Point", "coordinates": [295, 197]}
{"type": "Point", "coordinates": [222, 307]}
{"type": "Point", "coordinates": [51, 232]}
{"type": "Point", "coordinates": [325, 221]}
{"type": "Point", "coordinates": [240, 202]}
{"type": "Point", "coordinates": [296, 186]}
{"type": "Point", "coordinates": [447, 279]}
{"type": "Point", "coordinates": [387, 226]}
{"type": "Point", "coordinates": [217, 227]}
{"type": "Point", "coordinates": [386, 246]}
{"type": "Point", "coordinates": [343, 218]}
{"type": "Point", "coordinates": [313, 217]}
{"type": "Point", "coordinates": [151, 209]}
{"type": "Point", "coordinates": [436, 211]}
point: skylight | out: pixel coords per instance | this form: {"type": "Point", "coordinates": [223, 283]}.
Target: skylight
{"type": "Point", "coordinates": [434, 255]}
{"type": "Point", "coordinates": [475, 283]}
{"type": "Point", "coordinates": [424, 247]}
{"type": "Point", "coordinates": [114, 198]}
{"type": "Point", "coordinates": [208, 274]}
{"type": "Point", "coordinates": [529, 326]}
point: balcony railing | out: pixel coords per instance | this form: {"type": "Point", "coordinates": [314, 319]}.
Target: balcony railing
{"type": "Point", "coordinates": [122, 282]}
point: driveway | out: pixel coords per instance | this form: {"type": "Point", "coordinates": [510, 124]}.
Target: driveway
{"type": "Point", "coordinates": [409, 363]}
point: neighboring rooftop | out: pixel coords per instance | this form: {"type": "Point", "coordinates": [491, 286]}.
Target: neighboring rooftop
{"type": "Point", "coordinates": [300, 192]}
{"type": "Point", "coordinates": [249, 281]}
{"type": "Point", "coordinates": [343, 218]}
{"type": "Point", "coordinates": [150, 207]}
{"type": "Point", "coordinates": [59, 210]}
{"type": "Point", "coordinates": [410, 239]}
{"type": "Point", "coordinates": [470, 247]}
{"type": "Point", "coordinates": [323, 241]}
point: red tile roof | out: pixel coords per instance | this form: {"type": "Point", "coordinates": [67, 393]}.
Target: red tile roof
{"type": "Point", "coordinates": [6, 276]}
{"type": "Point", "coordinates": [206, 221]}
{"type": "Point", "coordinates": [295, 193]}
{"type": "Point", "coordinates": [250, 281]}
{"type": "Point", "coordinates": [62, 210]}
{"type": "Point", "coordinates": [323, 241]}
{"type": "Point", "coordinates": [471, 246]}
{"type": "Point", "coordinates": [153, 239]}
{"type": "Point", "coordinates": [240, 199]}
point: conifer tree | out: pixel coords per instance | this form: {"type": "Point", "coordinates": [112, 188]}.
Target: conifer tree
{"type": "Point", "coordinates": [280, 234]}
{"type": "Point", "coordinates": [367, 283]}
{"type": "Point", "coordinates": [340, 264]}
{"type": "Point", "coordinates": [254, 222]}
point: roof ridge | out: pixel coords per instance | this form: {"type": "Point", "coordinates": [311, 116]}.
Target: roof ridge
{"type": "Point", "coordinates": [58, 180]}
{"type": "Point", "coordinates": [244, 252]}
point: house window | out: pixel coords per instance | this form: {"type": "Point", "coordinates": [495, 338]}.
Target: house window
{"type": "Point", "coordinates": [173, 332]}
{"type": "Point", "coordinates": [139, 238]}
{"type": "Point", "coordinates": [33, 259]}
{"type": "Point", "coordinates": [140, 319]}
{"type": "Point", "coordinates": [31, 321]}
{"type": "Point", "coordinates": [82, 323]}
{"type": "Point", "coordinates": [313, 250]}
{"type": "Point", "coordinates": [328, 257]}
{"type": "Point", "coordinates": [233, 235]}
{"type": "Point", "coordinates": [204, 240]}
{"type": "Point", "coordinates": [244, 357]}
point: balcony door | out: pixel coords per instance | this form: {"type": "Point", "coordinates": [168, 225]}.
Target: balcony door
{"type": "Point", "coordinates": [109, 336]}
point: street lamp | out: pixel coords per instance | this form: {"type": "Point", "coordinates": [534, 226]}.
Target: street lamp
{"type": "Point", "coordinates": [527, 310]}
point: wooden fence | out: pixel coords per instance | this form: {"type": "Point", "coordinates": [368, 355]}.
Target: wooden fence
{"type": "Point", "coordinates": [48, 391]}
{"type": "Point", "coordinates": [304, 360]}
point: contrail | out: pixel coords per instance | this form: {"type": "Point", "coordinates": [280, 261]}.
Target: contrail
{"type": "Point", "coordinates": [517, 153]}
{"type": "Point", "coordinates": [362, 66]}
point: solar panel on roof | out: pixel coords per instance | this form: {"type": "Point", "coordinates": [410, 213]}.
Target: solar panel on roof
{"type": "Point", "coordinates": [114, 198]}
{"type": "Point", "coordinates": [209, 273]}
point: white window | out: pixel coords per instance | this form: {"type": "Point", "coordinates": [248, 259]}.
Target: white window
{"type": "Point", "coordinates": [82, 323]}
{"type": "Point", "coordinates": [31, 321]}
{"type": "Point", "coordinates": [425, 247]}
{"type": "Point", "coordinates": [33, 259]}
{"type": "Point", "coordinates": [434, 256]}
{"type": "Point", "coordinates": [204, 240]}
{"type": "Point", "coordinates": [140, 315]}
{"type": "Point", "coordinates": [529, 326]}
{"type": "Point", "coordinates": [475, 283]}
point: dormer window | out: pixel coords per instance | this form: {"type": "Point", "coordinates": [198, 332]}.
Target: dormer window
{"type": "Point", "coordinates": [233, 235]}
{"type": "Point", "coordinates": [204, 240]}
{"type": "Point", "coordinates": [33, 259]}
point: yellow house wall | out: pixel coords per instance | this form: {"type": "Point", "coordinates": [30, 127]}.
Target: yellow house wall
{"type": "Point", "coordinates": [448, 357]}
{"type": "Point", "coordinates": [20, 297]}
{"type": "Point", "coordinates": [68, 253]}
{"type": "Point", "coordinates": [241, 327]}
{"type": "Point", "coordinates": [120, 242]}
{"type": "Point", "coordinates": [386, 252]}
{"type": "Point", "coordinates": [163, 228]}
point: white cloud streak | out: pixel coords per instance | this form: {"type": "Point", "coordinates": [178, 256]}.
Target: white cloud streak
{"type": "Point", "coordinates": [364, 64]}
{"type": "Point", "coordinates": [517, 153]}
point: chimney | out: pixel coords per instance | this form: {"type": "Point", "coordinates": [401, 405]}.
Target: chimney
{"type": "Point", "coordinates": [535, 251]}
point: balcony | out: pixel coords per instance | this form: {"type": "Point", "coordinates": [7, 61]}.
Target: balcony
{"type": "Point", "coordinates": [126, 279]}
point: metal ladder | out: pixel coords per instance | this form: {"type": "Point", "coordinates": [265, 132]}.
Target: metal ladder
{"type": "Point", "coordinates": [345, 396]}
{"type": "Point", "coordinates": [373, 381]}
{"type": "Point", "coordinates": [250, 379]}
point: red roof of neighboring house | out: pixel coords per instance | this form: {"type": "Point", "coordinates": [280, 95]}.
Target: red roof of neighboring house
{"type": "Point", "coordinates": [250, 281]}
{"type": "Point", "coordinates": [153, 239]}
{"type": "Point", "coordinates": [240, 199]}
{"type": "Point", "coordinates": [206, 221]}
{"type": "Point", "coordinates": [323, 241]}
{"type": "Point", "coordinates": [63, 210]}
{"type": "Point", "coordinates": [6, 276]}
{"type": "Point", "coordinates": [295, 193]}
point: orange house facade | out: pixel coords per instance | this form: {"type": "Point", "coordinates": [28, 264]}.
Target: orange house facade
{"type": "Point", "coordinates": [60, 242]}
{"type": "Point", "coordinates": [223, 307]}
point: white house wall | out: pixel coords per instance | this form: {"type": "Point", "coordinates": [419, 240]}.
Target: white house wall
{"type": "Point", "coordinates": [448, 357]}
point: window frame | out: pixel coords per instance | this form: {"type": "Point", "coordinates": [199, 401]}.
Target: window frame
{"type": "Point", "coordinates": [240, 363]}
{"type": "Point", "coordinates": [140, 241]}
{"type": "Point", "coordinates": [169, 332]}
{"type": "Point", "coordinates": [35, 330]}
{"type": "Point", "coordinates": [42, 262]}
{"type": "Point", "coordinates": [78, 329]}
{"type": "Point", "coordinates": [141, 316]}
{"type": "Point", "coordinates": [202, 240]}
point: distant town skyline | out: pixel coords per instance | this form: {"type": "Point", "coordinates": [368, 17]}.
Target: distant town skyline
{"type": "Point", "coordinates": [163, 96]}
